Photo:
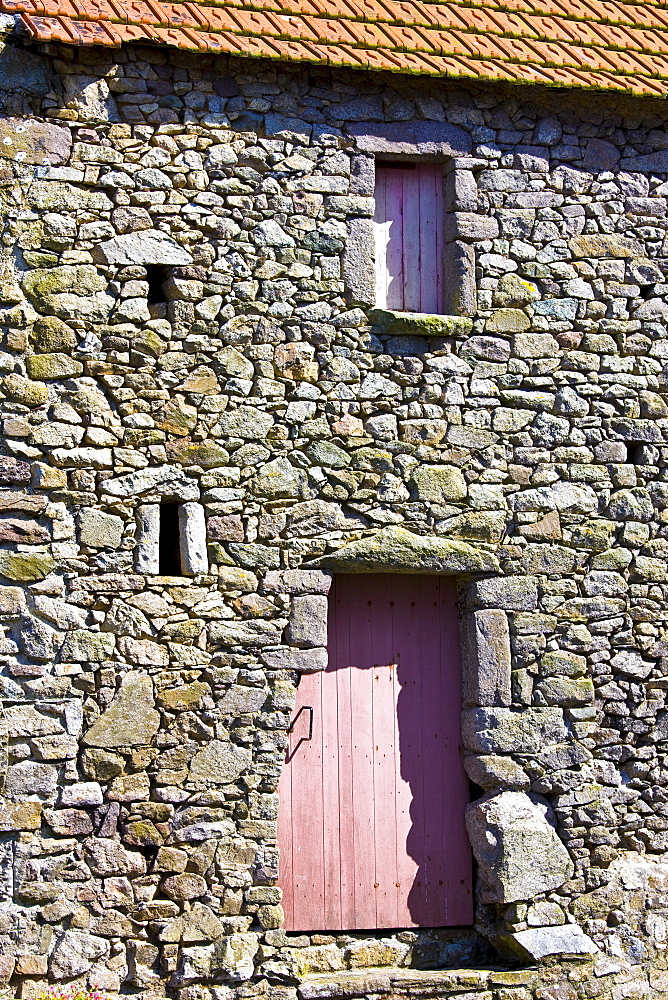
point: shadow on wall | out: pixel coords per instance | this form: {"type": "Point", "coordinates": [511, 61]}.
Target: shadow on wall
{"type": "Point", "coordinates": [23, 71]}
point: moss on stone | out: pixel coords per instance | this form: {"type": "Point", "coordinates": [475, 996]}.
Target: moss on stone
{"type": "Point", "coordinates": [409, 324]}
{"type": "Point", "coordinates": [25, 391]}
{"type": "Point", "coordinates": [178, 417]}
{"type": "Point", "coordinates": [185, 698]}
{"type": "Point", "coordinates": [396, 550]}
{"type": "Point", "coordinates": [207, 455]}
{"type": "Point", "coordinates": [84, 279]}
{"type": "Point", "coordinates": [52, 366]}
{"type": "Point", "coordinates": [26, 567]}
{"type": "Point", "coordinates": [50, 335]}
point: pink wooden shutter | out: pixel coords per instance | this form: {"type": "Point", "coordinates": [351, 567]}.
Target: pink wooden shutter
{"type": "Point", "coordinates": [409, 237]}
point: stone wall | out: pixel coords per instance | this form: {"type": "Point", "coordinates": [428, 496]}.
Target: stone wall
{"type": "Point", "coordinates": [517, 444]}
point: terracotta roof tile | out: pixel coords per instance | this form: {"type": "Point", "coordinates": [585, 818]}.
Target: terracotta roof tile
{"type": "Point", "coordinates": [598, 44]}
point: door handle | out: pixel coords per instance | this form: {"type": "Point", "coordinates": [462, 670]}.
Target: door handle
{"type": "Point", "coordinates": [304, 708]}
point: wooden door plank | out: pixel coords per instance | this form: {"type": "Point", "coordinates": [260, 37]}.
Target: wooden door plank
{"type": "Point", "coordinates": [409, 811]}
{"type": "Point", "coordinates": [427, 239]}
{"type": "Point", "coordinates": [284, 833]}
{"type": "Point", "coordinates": [307, 808]}
{"type": "Point", "coordinates": [340, 674]}
{"type": "Point", "coordinates": [440, 242]}
{"type": "Point", "coordinates": [385, 752]}
{"type": "Point", "coordinates": [333, 755]}
{"type": "Point", "coordinates": [394, 213]}
{"type": "Point", "coordinates": [431, 614]}
{"type": "Point", "coordinates": [412, 181]}
{"type": "Point", "coordinates": [458, 888]}
{"type": "Point", "coordinates": [362, 777]}
{"type": "Point", "coordinates": [382, 234]}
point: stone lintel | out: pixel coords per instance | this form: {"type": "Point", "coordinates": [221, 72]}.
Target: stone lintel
{"type": "Point", "coordinates": [395, 550]}
{"type": "Point", "coordinates": [149, 246]}
{"type": "Point", "coordinates": [422, 139]}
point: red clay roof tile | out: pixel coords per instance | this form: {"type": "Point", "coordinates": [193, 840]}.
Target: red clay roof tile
{"type": "Point", "coordinates": [598, 44]}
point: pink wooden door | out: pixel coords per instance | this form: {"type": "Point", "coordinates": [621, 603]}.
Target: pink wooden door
{"type": "Point", "coordinates": [409, 237]}
{"type": "Point", "coordinates": [371, 817]}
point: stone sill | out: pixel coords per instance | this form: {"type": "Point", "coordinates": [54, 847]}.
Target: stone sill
{"type": "Point", "coordinates": [411, 324]}
{"type": "Point", "coordinates": [388, 980]}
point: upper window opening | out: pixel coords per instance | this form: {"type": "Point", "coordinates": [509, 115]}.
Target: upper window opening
{"type": "Point", "coordinates": [156, 275]}
{"type": "Point", "coordinates": [169, 552]}
{"type": "Point", "coordinates": [409, 236]}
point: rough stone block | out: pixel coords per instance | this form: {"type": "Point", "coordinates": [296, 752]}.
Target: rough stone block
{"type": "Point", "coordinates": [26, 567]}
{"type": "Point", "coordinates": [147, 556]}
{"type": "Point", "coordinates": [75, 952]}
{"type": "Point", "coordinates": [130, 720]}
{"type": "Point", "coordinates": [459, 264]}
{"type": "Point", "coordinates": [569, 692]}
{"type": "Point", "coordinates": [20, 816]}
{"type": "Point", "coordinates": [307, 625]}
{"type": "Point", "coordinates": [106, 856]}
{"type": "Point", "coordinates": [304, 661]}
{"type": "Point", "coordinates": [30, 778]}
{"type": "Point", "coordinates": [486, 661]}
{"type": "Point", "coordinates": [254, 634]}
{"type": "Point", "coordinates": [359, 263]}
{"type": "Point", "coordinates": [596, 245]}
{"type": "Point", "coordinates": [82, 646]}
{"type": "Point", "coordinates": [100, 530]}
{"type": "Point", "coordinates": [511, 593]}
{"type": "Point", "coordinates": [566, 940]}
{"type": "Point", "coordinates": [83, 793]}
{"type": "Point", "coordinates": [519, 853]}
{"type": "Point", "coordinates": [470, 226]}
{"type": "Point", "coordinates": [192, 537]}
{"type": "Point", "coordinates": [439, 484]}
{"type": "Point", "coordinates": [219, 763]}
{"type": "Point", "coordinates": [501, 730]}
{"type": "Point", "coordinates": [149, 246]}
{"type": "Point", "coordinates": [496, 773]}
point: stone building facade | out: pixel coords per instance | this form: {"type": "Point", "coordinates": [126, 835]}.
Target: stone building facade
{"type": "Point", "coordinates": [188, 321]}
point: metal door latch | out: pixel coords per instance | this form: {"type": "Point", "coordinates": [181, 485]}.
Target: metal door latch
{"type": "Point", "coordinates": [304, 708]}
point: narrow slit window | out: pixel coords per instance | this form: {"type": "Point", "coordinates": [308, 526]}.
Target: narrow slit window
{"type": "Point", "coordinates": [156, 275]}
{"type": "Point", "coordinates": [169, 548]}
{"type": "Point", "coordinates": [408, 222]}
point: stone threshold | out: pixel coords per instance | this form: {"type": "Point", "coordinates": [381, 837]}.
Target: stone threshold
{"type": "Point", "coordinates": [420, 982]}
